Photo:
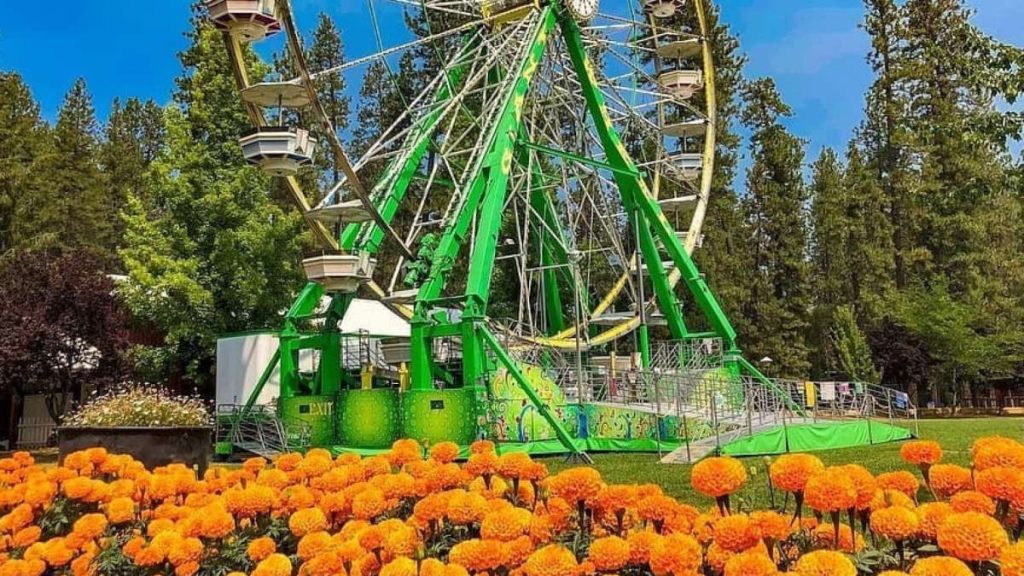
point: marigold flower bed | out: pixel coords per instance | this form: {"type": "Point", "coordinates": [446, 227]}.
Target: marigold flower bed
{"type": "Point", "coordinates": [416, 512]}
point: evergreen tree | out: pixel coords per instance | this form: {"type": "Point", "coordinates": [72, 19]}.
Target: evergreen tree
{"type": "Point", "coordinates": [326, 52]}
{"type": "Point", "coordinates": [134, 135]}
{"type": "Point", "coordinates": [207, 252]}
{"type": "Point", "coordinates": [829, 232]}
{"type": "Point", "coordinates": [848, 351]}
{"type": "Point", "coordinates": [24, 146]}
{"type": "Point", "coordinates": [775, 204]}
{"type": "Point", "coordinates": [869, 240]}
{"type": "Point", "coordinates": [74, 211]}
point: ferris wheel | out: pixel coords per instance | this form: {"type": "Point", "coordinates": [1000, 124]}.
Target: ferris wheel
{"type": "Point", "coordinates": [567, 151]}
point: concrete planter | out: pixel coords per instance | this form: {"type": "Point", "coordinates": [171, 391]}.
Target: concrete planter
{"type": "Point", "coordinates": [151, 446]}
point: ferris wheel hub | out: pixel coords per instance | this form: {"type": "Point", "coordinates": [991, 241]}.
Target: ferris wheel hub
{"type": "Point", "coordinates": [582, 10]}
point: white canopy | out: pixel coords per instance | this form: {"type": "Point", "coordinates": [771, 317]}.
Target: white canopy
{"type": "Point", "coordinates": [375, 319]}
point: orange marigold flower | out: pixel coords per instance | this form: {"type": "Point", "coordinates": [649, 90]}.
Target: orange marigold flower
{"type": "Point", "coordinates": [948, 479]}
{"type": "Point", "coordinates": [675, 554]}
{"type": "Point", "coordinates": [215, 522]}
{"type": "Point", "coordinates": [825, 563]}
{"type": "Point", "coordinates": [25, 537]}
{"type": "Point", "coordinates": [997, 451]}
{"type": "Point", "coordinates": [404, 451]}
{"type": "Point", "coordinates": [313, 544]}
{"type": "Point", "coordinates": [771, 525]}
{"type": "Point", "coordinates": [736, 533]}
{"type": "Point", "coordinates": [1001, 483]}
{"type": "Point", "coordinates": [640, 545]}
{"type": "Point", "coordinates": [895, 523]}
{"type": "Point", "coordinates": [188, 550]}
{"type": "Point", "coordinates": [466, 507]}
{"type": "Point", "coordinates": [400, 567]}
{"type": "Point", "coordinates": [609, 554]}
{"type": "Point", "coordinates": [481, 446]}
{"type": "Point", "coordinates": [718, 477]}
{"type": "Point", "coordinates": [120, 510]}
{"type": "Point", "coordinates": [918, 452]}
{"type": "Point", "coordinates": [308, 520]}
{"type": "Point", "coordinates": [864, 482]}
{"type": "Point", "coordinates": [444, 452]}
{"type": "Point", "coordinates": [791, 472]}
{"type": "Point", "coordinates": [930, 516]}
{"type": "Point", "coordinates": [260, 549]}
{"type": "Point", "coordinates": [831, 491]}
{"type": "Point", "coordinates": [1011, 560]}
{"type": "Point", "coordinates": [505, 525]}
{"type": "Point", "coordinates": [551, 561]}
{"type": "Point", "coordinates": [90, 526]}
{"type": "Point", "coordinates": [517, 551]}
{"type": "Point", "coordinates": [751, 564]}
{"type": "Point", "coordinates": [972, 501]}
{"type": "Point", "coordinates": [369, 504]}
{"type": "Point", "coordinates": [577, 485]}
{"type": "Point", "coordinates": [478, 555]}
{"type": "Point", "coordinates": [432, 507]}
{"type": "Point", "coordinates": [656, 508]}
{"type": "Point", "coordinates": [940, 566]}
{"type": "Point", "coordinates": [901, 481]}
{"type": "Point", "coordinates": [402, 541]}
{"type": "Point", "coordinates": [274, 565]}
{"type": "Point", "coordinates": [514, 464]}
{"type": "Point", "coordinates": [57, 553]}
{"type": "Point", "coordinates": [972, 537]}
{"type": "Point", "coordinates": [482, 463]}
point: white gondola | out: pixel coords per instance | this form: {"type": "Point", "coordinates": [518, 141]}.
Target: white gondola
{"type": "Point", "coordinates": [686, 165]}
{"type": "Point", "coordinates": [277, 95]}
{"type": "Point", "coordinates": [680, 49]}
{"type": "Point", "coordinates": [687, 129]}
{"type": "Point", "coordinates": [663, 8]}
{"type": "Point", "coordinates": [340, 272]}
{"type": "Point", "coordinates": [246, 20]}
{"type": "Point", "coordinates": [350, 212]}
{"type": "Point", "coordinates": [681, 84]}
{"type": "Point", "coordinates": [676, 203]}
{"type": "Point", "coordinates": [278, 150]}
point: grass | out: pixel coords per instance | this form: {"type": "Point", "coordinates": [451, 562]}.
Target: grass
{"type": "Point", "coordinates": [955, 435]}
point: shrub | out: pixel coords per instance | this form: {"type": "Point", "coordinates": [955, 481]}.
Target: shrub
{"type": "Point", "coordinates": [140, 406]}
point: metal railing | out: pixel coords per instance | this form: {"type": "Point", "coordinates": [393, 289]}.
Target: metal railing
{"type": "Point", "coordinates": [260, 431]}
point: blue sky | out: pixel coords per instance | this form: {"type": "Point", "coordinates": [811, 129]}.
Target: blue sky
{"type": "Point", "coordinates": [813, 49]}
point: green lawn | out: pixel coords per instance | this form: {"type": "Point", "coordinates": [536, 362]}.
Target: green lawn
{"type": "Point", "coordinates": [955, 435]}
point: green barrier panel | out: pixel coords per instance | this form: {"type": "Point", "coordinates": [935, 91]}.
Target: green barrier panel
{"type": "Point", "coordinates": [317, 412]}
{"type": "Point", "coordinates": [815, 437]}
{"type": "Point", "coordinates": [440, 415]}
{"type": "Point", "coordinates": [368, 418]}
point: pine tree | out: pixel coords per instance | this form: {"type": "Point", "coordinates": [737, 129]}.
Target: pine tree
{"type": "Point", "coordinates": [74, 211]}
{"type": "Point", "coordinates": [324, 53]}
{"type": "Point", "coordinates": [869, 240]}
{"type": "Point", "coordinates": [883, 135]}
{"type": "Point", "coordinates": [829, 232]}
{"type": "Point", "coordinates": [134, 135]}
{"type": "Point", "coordinates": [24, 145]}
{"type": "Point", "coordinates": [775, 204]}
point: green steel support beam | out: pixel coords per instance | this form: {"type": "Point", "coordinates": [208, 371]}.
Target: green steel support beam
{"type": "Point", "coordinates": [541, 203]}
{"type": "Point", "coordinates": [634, 190]}
{"type": "Point", "coordinates": [542, 408]}
{"type": "Point", "coordinates": [575, 158]}
{"type": "Point", "coordinates": [399, 176]}
{"type": "Point", "coordinates": [305, 303]}
{"type": "Point", "coordinates": [488, 187]}
{"type": "Point", "coordinates": [253, 396]}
